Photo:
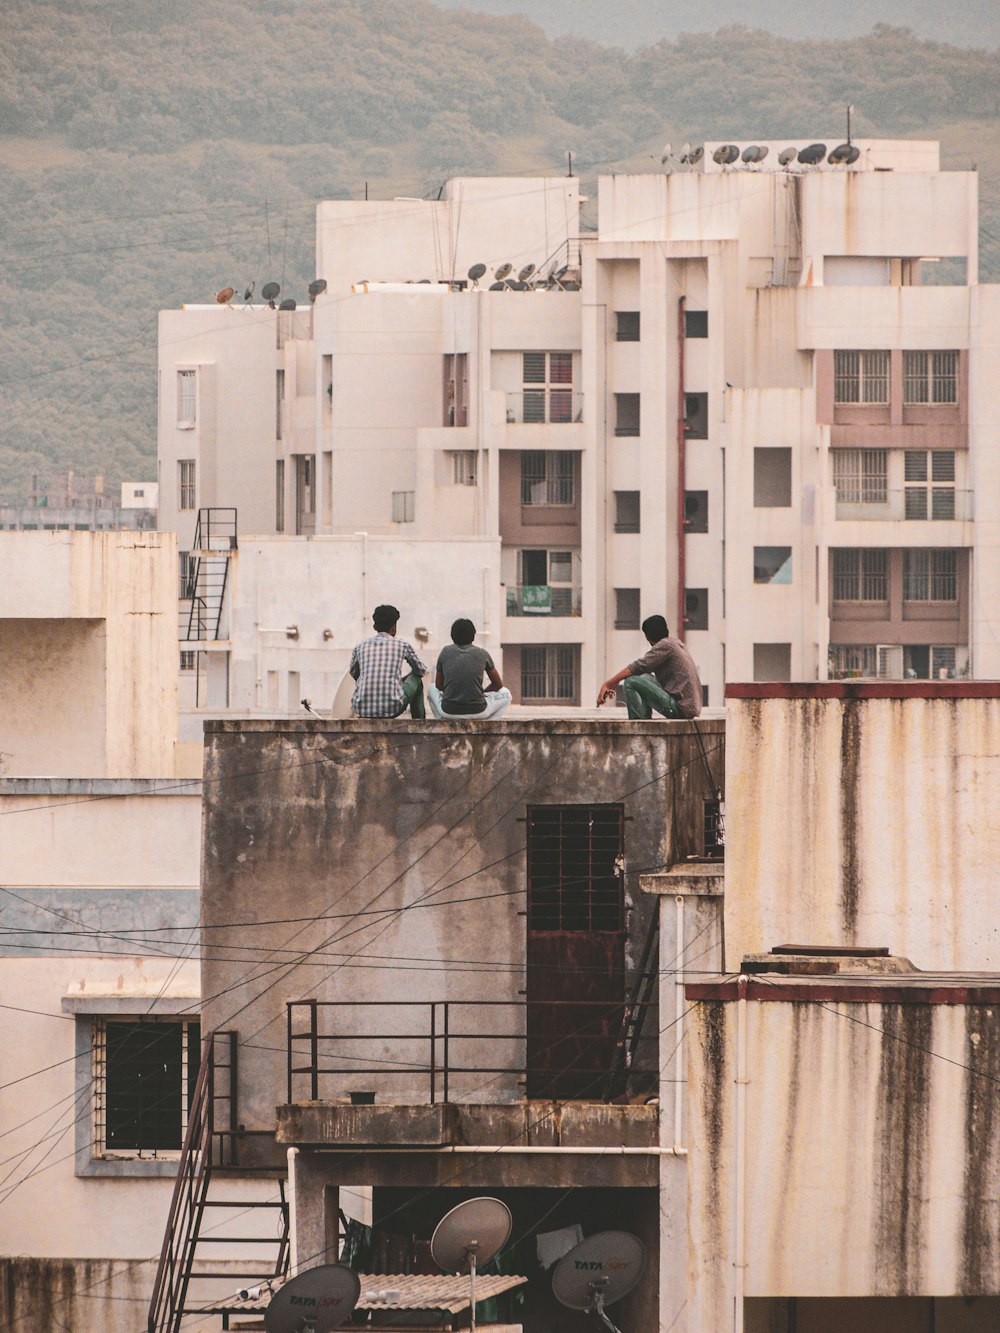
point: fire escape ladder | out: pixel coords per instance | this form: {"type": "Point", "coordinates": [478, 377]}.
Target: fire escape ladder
{"type": "Point", "coordinates": [187, 1282]}
{"type": "Point", "coordinates": [641, 997]}
{"type": "Point", "coordinates": [215, 540]}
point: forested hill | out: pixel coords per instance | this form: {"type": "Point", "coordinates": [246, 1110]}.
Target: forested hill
{"type": "Point", "coordinates": [152, 151]}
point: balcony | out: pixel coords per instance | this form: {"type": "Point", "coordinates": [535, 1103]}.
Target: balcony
{"type": "Point", "coordinates": [543, 599]}
{"type": "Point", "coordinates": [914, 503]}
{"type": "Point", "coordinates": [544, 407]}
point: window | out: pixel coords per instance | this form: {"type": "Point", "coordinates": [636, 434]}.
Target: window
{"type": "Point", "coordinates": [144, 1072]}
{"type": "Point", "coordinates": [187, 660]}
{"type": "Point", "coordinates": [186, 567]}
{"type": "Point", "coordinates": [772, 564]}
{"type": "Point", "coordinates": [403, 506]}
{"type": "Point", "coordinates": [548, 386]}
{"type": "Point", "coordinates": [548, 673]}
{"type": "Point", "coordinates": [545, 585]}
{"type": "Point", "coordinates": [695, 323]}
{"type": "Point", "coordinates": [772, 661]}
{"type": "Point", "coordinates": [279, 495]}
{"type": "Point", "coordinates": [548, 478]}
{"type": "Point", "coordinates": [187, 398]}
{"type": "Point", "coordinates": [851, 659]}
{"type": "Point", "coordinates": [627, 511]}
{"type": "Point", "coordinates": [930, 483]}
{"type": "Point", "coordinates": [627, 608]}
{"type": "Point", "coordinates": [279, 401]}
{"type": "Point", "coordinates": [456, 389]}
{"type": "Point", "coordinates": [186, 483]}
{"type": "Point", "coordinates": [574, 867]}
{"type": "Point", "coordinates": [861, 476]}
{"type": "Point", "coordinates": [772, 478]}
{"type": "Point", "coordinates": [696, 416]}
{"type": "Point", "coordinates": [627, 326]}
{"type": "Point", "coordinates": [930, 576]}
{"type": "Point", "coordinates": [626, 414]}
{"type": "Point", "coordinates": [930, 377]}
{"type": "Point", "coordinates": [696, 608]}
{"type": "Point", "coordinates": [465, 467]}
{"type": "Point", "coordinates": [861, 377]}
{"type": "Point", "coordinates": [860, 575]}
{"type": "Point", "coordinates": [138, 493]}
{"type": "Point", "coordinates": [696, 511]}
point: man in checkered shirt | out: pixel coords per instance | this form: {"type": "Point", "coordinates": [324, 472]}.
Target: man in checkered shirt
{"type": "Point", "coordinates": [376, 665]}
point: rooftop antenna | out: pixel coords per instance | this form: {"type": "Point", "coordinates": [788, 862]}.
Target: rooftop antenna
{"type": "Point", "coordinates": [569, 162]}
{"type": "Point", "coordinates": [317, 1301]}
{"type": "Point", "coordinates": [468, 1237]}
{"type": "Point", "coordinates": [849, 110]}
{"type": "Point", "coordinates": [598, 1272]}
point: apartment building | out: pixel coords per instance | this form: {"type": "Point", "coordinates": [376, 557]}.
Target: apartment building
{"type": "Point", "coordinates": [754, 398]}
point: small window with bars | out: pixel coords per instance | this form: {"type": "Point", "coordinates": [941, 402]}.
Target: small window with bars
{"type": "Point", "coordinates": [548, 673]}
{"type": "Point", "coordinates": [861, 476]}
{"type": "Point", "coordinates": [187, 659]}
{"type": "Point", "coordinates": [930, 575]}
{"type": "Point", "coordinates": [186, 484]}
{"type": "Point", "coordinates": [930, 377]}
{"type": "Point", "coordinates": [576, 857]}
{"type": "Point", "coordinates": [861, 377]}
{"type": "Point", "coordinates": [143, 1077]}
{"type": "Point", "coordinates": [185, 570]}
{"type": "Point", "coordinates": [465, 467]}
{"type": "Point", "coordinates": [929, 475]}
{"type": "Point", "coordinates": [860, 575]}
{"type": "Point", "coordinates": [852, 660]}
{"type": "Point", "coordinates": [548, 478]}
{"type": "Point", "coordinates": [187, 399]}
{"type": "Point", "coordinates": [548, 386]}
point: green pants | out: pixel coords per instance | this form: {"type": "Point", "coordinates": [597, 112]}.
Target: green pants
{"type": "Point", "coordinates": [644, 693]}
{"type": "Point", "coordinates": [413, 693]}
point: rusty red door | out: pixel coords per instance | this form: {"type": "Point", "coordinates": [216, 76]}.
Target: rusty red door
{"type": "Point", "coordinates": [575, 947]}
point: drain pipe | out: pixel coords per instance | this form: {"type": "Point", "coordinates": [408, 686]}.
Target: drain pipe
{"type": "Point", "coordinates": [679, 1007]}
{"type": "Point", "coordinates": [740, 1262]}
{"type": "Point", "coordinates": [681, 470]}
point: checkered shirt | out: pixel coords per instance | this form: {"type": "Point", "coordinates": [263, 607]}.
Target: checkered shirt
{"type": "Point", "coordinates": [376, 665]}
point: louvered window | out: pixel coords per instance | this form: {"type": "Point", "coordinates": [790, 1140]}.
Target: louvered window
{"type": "Point", "coordinates": [930, 483]}
{"type": "Point", "coordinates": [548, 387]}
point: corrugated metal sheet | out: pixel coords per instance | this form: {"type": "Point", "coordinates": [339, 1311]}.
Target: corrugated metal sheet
{"type": "Point", "coordinates": [401, 1291]}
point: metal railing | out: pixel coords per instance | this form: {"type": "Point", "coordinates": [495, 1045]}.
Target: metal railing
{"type": "Point", "coordinates": [544, 407]}
{"type": "Point", "coordinates": [440, 1051]}
{"type": "Point", "coordinates": [204, 592]}
{"type": "Point", "coordinates": [544, 599]}
{"type": "Point", "coordinates": [917, 503]}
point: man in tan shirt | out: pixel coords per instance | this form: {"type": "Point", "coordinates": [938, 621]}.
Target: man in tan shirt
{"type": "Point", "coordinates": [665, 678]}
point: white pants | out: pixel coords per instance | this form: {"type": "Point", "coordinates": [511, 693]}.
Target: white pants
{"type": "Point", "coordinates": [496, 703]}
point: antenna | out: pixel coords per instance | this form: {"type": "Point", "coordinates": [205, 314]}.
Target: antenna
{"type": "Point", "coordinates": [849, 110]}
{"type": "Point", "coordinates": [316, 288]}
{"type": "Point", "coordinates": [320, 1299]}
{"type": "Point", "coordinates": [504, 271]}
{"type": "Point", "coordinates": [569, 162]}
{"type": "Point", "coordinates": [225, 296]}
{"type": "Point", "coordinates": [813, 155]}
{"type": "Point", "coordinates": [598, 1272]}
{"type": "Point", "coordinates": [470, 1236]}
{"type": "Point", "coordinates": [269, 291]}
{"type": "Point", "coordinates": [475, 273]}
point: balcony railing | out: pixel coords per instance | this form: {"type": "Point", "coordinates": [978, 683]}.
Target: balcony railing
{"type": "Point", "coordinates": [437, 1051]}
{"type": "Point", "coordinates": [544, 407]}
{"type": "Point", "coordinates": [544, 599]}
{"type": "Point", "coordinates": [926, 503]}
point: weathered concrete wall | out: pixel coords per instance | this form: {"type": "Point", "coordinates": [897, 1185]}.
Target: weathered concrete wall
{"type": "Point", "coordinates": [322, 840]}
{"type": "Point", "coordinates": [872, 1150]}
{"type": "Point", "coordinates": [865, 815]}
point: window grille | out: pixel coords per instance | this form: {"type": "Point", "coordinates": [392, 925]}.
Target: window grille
{"type": "Point", "coordinates": [187, 398]}
{"type": "Point", "coordinates": [943, 664]}
{"type": "Point", "coordinates": [464, 467]}
{"type": "Point", "coordinates": [548, 673]}
{"type": "Point", "coordinates": [548, 386]}
{"type": "Point", "coordinates": [187, 660]}
{"type": "Point", "coordinates": [186, 483]}
{"type": "Point", "coordinates": [930, 576]}
{"type": "Point", "coordinates": [861, 377]}
{"type": "Point", "coordinates": [575, 867]}
{"type": "Point", "coordinates": [861, 476]}
{"type": "Point", "coordinates": [548, 478]}
{"type": "Point", "coordinates": [143, 1077]}
{"type": "Point", "coordinates": [930, 377]}
{"type": "Point", "coordinates": [185, 568]}
{"type": "Point", "coordinates": [860, 575]}
{"type": "Point", "coordinates": [852, 659]}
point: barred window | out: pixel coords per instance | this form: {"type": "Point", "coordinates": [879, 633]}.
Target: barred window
{"type": "Point", "coordinates": [464, 467]}
{"type": "Point", "coordinates": [861, 377]}
{"type": "Point", "coordinates": [930, 377]}
{"type": "Point", "coordinates": [852, 659]}
{"type": "Point", "coordinates": [144, 1072]}
{"type": "Point", "coordinates": [930, 576]}
{"type": "Point", "coordinates": [548, 673]}
{"type": "Point", "coordinates": [575, 855]}
{"type": "Point", "coordinates": [548, 477]}
{"type": "Point", "coordinates": [861, 476]}
{"type": "Point", "coordinates": [860, 575]}
{"type": "Point", "coordinates": [187, 398]}
{"type": "Point", "coordinates": [186, 483]}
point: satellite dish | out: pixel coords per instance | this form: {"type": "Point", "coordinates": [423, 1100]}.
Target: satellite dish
{"type": "Point", "coordinates": [249, 291]}
{"type": "Point", "coordinates": [571, 286]}
{"type": "Point", "coordinates": [755, 152]}
{"type": "Point", "coordinates": [598, 1272]}
{"type": "Point", "coordinates": [498, 286]}
{"type": "Point", "coordinates": [319, 1299]}
{"type": "Point", "coordinates": [476, 272]}
{"type": "Point", "coordinates": [668, 152]}
{"type": "Point", "coordinates": [225, 296]}
{"type": "Point", "coordinates": [787, 155]}
{"type": "Point", "coordinates": [527, 272]}
{"type": "Point", "coordinates": [844, 155]}
{"type": "Point", "coordinates": [517, 286]}
{"type": "Point", "coordinates": [726, 154]}
{"type": "Point", "coordinates": [812, 155]}
{"type": "Point", "coordinates": [504, 271]}
{"type": "Point", "coordinates": [317, 288]}
{"type": "Point", "coordinates": [468, 1237]}
{"type": "Point", "coordinates": [287, 304]}
{"type": "Point", "coordinates": [270, 290]}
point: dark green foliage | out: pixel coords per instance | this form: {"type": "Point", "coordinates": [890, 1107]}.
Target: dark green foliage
{"type": "Point", "coordinates": [151, 153]}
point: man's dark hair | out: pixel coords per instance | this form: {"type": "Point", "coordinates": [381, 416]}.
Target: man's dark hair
{"type": "Point", "coordinates": [463, 632]}
{"type": "Point", "coordinates": [655, 628]}
{"type": "Point", "coordinates": [384, 617]}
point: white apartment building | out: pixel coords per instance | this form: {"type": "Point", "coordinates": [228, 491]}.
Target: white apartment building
{"type": "Point", "coordinates": [740, 402]}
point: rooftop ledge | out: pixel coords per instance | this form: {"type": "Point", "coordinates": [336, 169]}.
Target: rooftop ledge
{"type": "Point", "coordinates": [546, 726]}
{"type": "Point", "coordinates": [867, 689]}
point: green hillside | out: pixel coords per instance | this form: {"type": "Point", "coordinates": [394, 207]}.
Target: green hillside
{"type": "Point", "coordinates": [151, 153]}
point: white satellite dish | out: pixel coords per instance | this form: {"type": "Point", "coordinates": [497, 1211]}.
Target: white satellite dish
{"type": "Point", "coordinates": [317, 1301]}
{"type": "Point", "coordinates": [598, 1272]}
{"type": "Point", "coordinates": [468, 1237]}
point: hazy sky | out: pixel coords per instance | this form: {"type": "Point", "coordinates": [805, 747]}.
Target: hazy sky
{"type": "Point", "coordinates": [634, 23]}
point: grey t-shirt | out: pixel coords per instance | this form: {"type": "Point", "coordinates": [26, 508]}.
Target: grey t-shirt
{"type": "Point", "coordinates": [463, 667]}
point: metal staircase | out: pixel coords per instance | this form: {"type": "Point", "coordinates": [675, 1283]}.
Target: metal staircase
{"type": "Point", "coordinates": [204, 591]}
{"type": "Point", "coordinates": [641, 999]}
{"type": "Point", "coordinates": [189, 1278]}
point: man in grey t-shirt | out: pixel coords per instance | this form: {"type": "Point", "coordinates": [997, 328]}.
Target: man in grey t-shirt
{"type": "Point", "coordinates": [665, 678]}
{"type": "Point", "coordinates": [458, 682]}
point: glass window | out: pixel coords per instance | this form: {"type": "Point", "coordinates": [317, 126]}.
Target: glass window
{"type": "Point", "coordinates": [627, 511]}
{"type": "Point", "coordinates": [403, 506]}
{"type": "Point", "coordinates": [627, 614]}
{"type": "Point", "coordinates": [187, 398]}
{"type": "Point", "coordinates": [627, 326]}
{"type": "Point", "coordinates": [695, 323]}
{"type": "Point", "coordinates": [772, 478]}
{"type": "Point", "coordinates": [861, 476]}
{"type": "Point", "coordinates": [772, 564]}
{"type": "Point", "coordinates": [626, 414]}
